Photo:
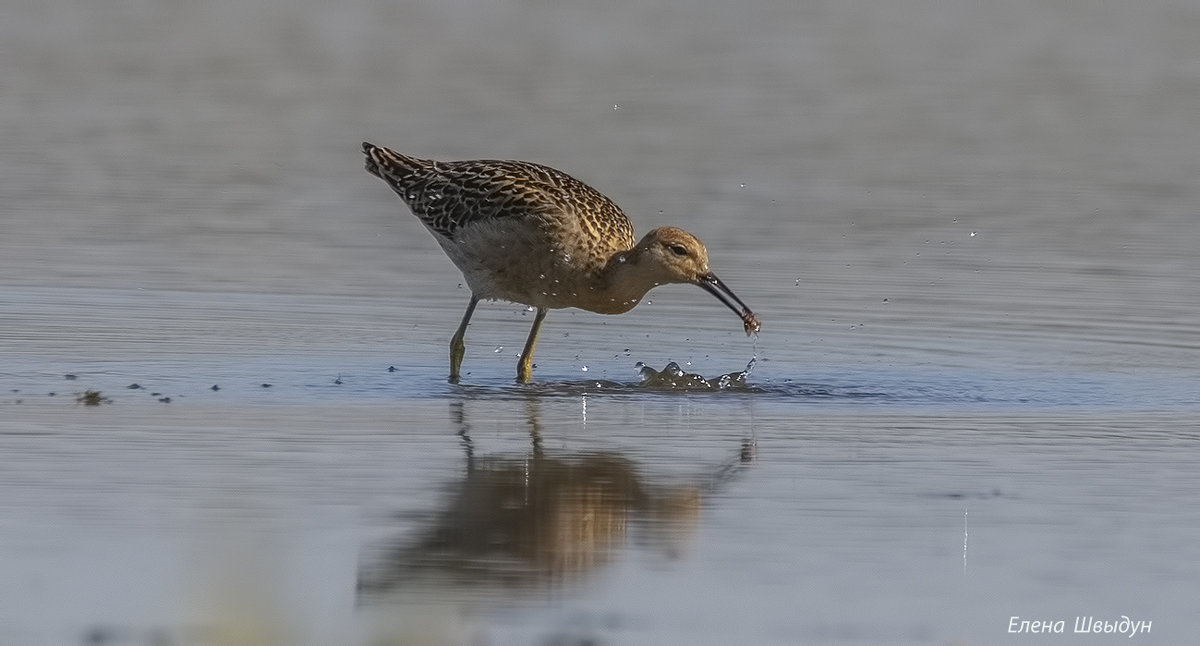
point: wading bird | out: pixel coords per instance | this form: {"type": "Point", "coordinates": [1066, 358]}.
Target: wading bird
{"type": "Point", "coordinates": [530, 234]}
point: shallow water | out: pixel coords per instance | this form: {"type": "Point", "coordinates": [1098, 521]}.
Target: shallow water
{"type": "Point", "coordinates": [969, 231]}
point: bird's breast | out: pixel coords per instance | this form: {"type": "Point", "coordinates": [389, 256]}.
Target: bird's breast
{"type": "Point", "coordinates": [522, 261]}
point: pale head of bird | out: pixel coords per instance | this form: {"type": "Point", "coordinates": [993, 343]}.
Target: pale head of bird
{"type": "Point", "coordinates": [671, 255]}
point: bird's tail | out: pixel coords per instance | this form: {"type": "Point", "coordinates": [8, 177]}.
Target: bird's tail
{"type": "Point", "coordinates": [389, 165]}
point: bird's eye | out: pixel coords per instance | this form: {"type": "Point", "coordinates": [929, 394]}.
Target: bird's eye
{"type": "Point", "coordinates": [679, 250]}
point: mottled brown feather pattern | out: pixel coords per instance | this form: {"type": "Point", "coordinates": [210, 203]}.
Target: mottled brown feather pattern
{"type": "Point", "coordinates": [449, 196]}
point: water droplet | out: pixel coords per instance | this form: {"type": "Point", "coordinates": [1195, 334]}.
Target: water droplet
{"type": "Point", "coordinates": [498, 348]}
{"type": "Point", "coordinates": [972, 234]}
{"type": "Point", "coordinates": [741, 186]}
{"type": "Point", "coordinates": [616, 106]}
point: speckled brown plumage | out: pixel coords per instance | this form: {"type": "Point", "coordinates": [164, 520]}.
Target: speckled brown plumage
{"type": "Point", "coordinates": [448, 196]}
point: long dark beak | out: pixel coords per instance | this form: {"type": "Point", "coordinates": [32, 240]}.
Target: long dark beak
{"type": "Point", "coordinates": [714, 286]}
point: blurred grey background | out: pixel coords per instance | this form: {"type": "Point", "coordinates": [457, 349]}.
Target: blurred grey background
{"type": "Point", "coordinates": [214, 145]}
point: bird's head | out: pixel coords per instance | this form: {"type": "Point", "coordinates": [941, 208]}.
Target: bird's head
{"type": "Point", "coordinates": [671, 255]}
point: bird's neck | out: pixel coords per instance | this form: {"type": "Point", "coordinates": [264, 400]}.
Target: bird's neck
{"type": "Point", "coordinates": [621, 284]}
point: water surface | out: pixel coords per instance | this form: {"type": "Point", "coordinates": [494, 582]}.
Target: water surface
{"type": "Point", "coordinates": [969, 231]}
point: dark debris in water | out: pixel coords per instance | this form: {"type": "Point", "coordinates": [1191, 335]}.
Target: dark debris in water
{"type": "Point", "coordinates": [92, 398]}
{"type": "Point", "coordinates": [971, 495]}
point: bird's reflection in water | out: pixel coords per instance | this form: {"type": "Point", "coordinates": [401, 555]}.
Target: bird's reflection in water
{"type": "Point", "coordinates": [540, 521]}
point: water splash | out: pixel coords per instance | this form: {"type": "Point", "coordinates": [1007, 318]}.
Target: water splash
{"type": "Point", "coordinates": [673, 377]}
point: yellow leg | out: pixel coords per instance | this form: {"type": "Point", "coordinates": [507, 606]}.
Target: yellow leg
{"type": "Point", "coordinates": [457, 347]}
{"type": "Point", "coordinates": [525, 367]}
